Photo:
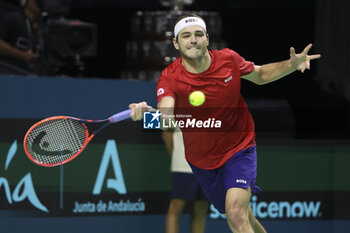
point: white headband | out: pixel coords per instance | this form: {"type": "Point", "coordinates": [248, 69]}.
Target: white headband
{"type": "Point", "coordinates": [189, 21]}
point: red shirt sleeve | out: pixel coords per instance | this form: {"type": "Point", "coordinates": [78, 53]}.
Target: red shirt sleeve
{"type": "Point", "coordinates": [245, 67]}
{"type": "Point", "coordinates": [164, 87]}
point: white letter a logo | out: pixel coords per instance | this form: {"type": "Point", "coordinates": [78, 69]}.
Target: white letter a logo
{"type": "Point", "coordinates": [110, 154]}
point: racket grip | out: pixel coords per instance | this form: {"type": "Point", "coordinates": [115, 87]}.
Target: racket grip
{"type": "Point", "coordinates": [120, 116]}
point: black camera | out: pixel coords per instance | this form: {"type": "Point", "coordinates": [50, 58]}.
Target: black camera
{"type": "Point", "coordinates": [66, 40]}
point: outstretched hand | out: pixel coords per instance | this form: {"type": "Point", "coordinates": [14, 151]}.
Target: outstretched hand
{"type": "Point", "coordinates": [301, 61]}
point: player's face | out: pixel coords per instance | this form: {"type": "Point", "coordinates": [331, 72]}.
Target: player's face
{"type": "Point", "coordinates": [192, 42]}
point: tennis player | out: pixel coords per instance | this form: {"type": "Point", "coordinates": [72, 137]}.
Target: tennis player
{"type": "Point", "coordinates": [184, 187]}
{"type": "Point", "coordinates": [224, 162]}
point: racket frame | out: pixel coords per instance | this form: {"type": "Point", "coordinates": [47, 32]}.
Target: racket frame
{"type": "Point", "coordinates": [112, 119]}
{"type": "Point", "coordinates": [87, 136]}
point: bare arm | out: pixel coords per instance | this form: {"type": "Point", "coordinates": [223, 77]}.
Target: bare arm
{"type": "Point", "coordinates": [166, 107]}
{"type": "Point", "coordinates": [274, 71]}
{"type": "Point", "coordinates": [10, 51]}
{"type": "Point", "coordinates": [167, 136]}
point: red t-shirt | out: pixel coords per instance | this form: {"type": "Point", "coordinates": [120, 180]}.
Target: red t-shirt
{"type": "Point", "coordinates": [210, 148]}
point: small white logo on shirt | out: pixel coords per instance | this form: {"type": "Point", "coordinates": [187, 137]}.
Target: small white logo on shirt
{"type": "Point", "coordinates": [241, 181]}
{"type": "Point", "coordinates": [228, 79]}
{"type": "Point", "coordinates": [160, 91]}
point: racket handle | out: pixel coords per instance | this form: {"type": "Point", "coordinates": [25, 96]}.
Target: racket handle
{"type": "Point", "coordinates": [120, 116]}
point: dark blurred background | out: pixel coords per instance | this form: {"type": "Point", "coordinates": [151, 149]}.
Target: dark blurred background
{"type": "Point", "coordinates": [261, 31]}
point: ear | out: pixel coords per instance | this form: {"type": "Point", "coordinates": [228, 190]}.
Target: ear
{"type": "Point", "coordinates": [176, 45]}
{"type": "Point", "coordinates": [207, 40]}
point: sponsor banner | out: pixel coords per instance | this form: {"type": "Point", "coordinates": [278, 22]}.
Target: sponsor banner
{"type": "Point", "coordinates": [296, 205]}
{"type": "Point", "coordinates": [106, 184]}
{"type": "Point", "coordinates": [130, 175]}
{"type": "Point", "coordinates": [269, 205]}
{"type": "Point", "coordinates": [86, 204]}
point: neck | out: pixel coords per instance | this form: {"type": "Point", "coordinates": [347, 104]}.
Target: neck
{"type": "Point", "coordinates": [198, 65]}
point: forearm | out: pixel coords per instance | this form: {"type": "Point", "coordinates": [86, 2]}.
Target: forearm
{"type": "Point", "coordinates": [274, 71]}
{"type": "Point", "coordinates": [9, 51]}
{"type": "Point", "coordinates": [166, 107]}
{"type": "Point", "coordinates": [167, 118]}
{"type": "Point", "coordinates": [167, 137]}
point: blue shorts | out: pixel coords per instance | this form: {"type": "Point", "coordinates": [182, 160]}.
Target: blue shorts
{"type": "Point", "coordinates": [238, 172]}
{"type": "Point", "coordinates": [185, 187]}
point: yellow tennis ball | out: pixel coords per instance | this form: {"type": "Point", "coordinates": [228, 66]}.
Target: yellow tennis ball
{"type": "Point", "coordinates": [196, 98]}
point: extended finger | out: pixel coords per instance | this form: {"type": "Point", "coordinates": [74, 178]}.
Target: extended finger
{"type": "Point", "coordinates": [292, 51]}
{"type": "Point", "coordinates": [307, 49]}
{"type": "Point", "coordinates": [316, 56]}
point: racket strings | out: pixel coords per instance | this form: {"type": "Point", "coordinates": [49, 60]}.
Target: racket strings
{"type": "Point", "coordinates": [56, 140]}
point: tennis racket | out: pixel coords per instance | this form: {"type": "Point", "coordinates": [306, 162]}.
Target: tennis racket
{"type": "Point", "coordinates": [59, 139]}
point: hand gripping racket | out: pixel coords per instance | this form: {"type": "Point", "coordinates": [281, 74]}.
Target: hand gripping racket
{"type": "Point", "coordinates": [59, 139]}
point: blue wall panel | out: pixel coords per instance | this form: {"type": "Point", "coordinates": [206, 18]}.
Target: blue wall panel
{"type": "Point", "coordinates": [37, 97]}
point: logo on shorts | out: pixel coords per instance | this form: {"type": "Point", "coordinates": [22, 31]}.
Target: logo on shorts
{"type": "Point", "coordinates": [241, 181]}
{"type": "Point", "coordinates": [151, 120]}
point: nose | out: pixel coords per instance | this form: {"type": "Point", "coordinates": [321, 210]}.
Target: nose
{"type": "Point", "coordinates": [193, 39]}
